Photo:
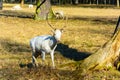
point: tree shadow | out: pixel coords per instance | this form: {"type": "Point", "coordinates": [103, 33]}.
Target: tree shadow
{"type": "Point", "coordinates": [96, 19]}
{"type": "Point", "coordinates": [15, 13]}
{"type": "Point", "coordinates": [100, 6]}
{"type": "Point", "coordinates": [71, 53]}
{"type": "Point", "coordinates": [40, 73]}
{"type": "Point", "coordinates": [97, 6]}
{"type": "Point", "coordinates": [10, 46]}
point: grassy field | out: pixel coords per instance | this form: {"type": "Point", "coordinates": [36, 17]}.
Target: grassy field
{"type": "Point", "coordinates": [87, 30]}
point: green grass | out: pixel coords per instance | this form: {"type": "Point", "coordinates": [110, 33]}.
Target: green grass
{"type": "Point", "coordinates": [87, 30]}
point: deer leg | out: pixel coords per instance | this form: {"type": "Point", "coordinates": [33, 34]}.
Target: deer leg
{"type": "Point", "coordinates": [52, 55]}
{"type": "Point", "coordinates": [43, 57]}
{"type": "Point", "coordinates": [52, 58]}
{"type": "Point", "coordinates": [34, 61]}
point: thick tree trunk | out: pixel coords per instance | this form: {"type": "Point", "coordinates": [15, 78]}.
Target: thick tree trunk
{"type": "Point", "coordinates": [43, 10]}
{"type": "Point", "coordinates": [104, 57]}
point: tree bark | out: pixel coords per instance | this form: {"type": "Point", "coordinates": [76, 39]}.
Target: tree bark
{"type": "Point", "coordinates": [43, 10]}
{"type": "Point", "coordinates": [104, 58]}
{"type": "Point", "coordinates": [105, 2]}
{"type": "Point", "coordinates": [1, 4]}
{"type": "Point", "coordinates": [118, 3]}
{"type": "Point", "coordinates": [73, 2]}
{"type": "Point", "coordinates": [22, 3]}
{"type": "Point", "coordinates": [117, 26]}
{"type": "Point", "coordinates": [90, 2]}
{"type": "Point", "coordinates": [76, 1]}
{"type": "Point", "coordinates": [97, 2]}
{"type": "Point", "coordinates": [31, 2]}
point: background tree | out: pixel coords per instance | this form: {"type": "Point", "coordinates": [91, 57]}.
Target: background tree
{"type": "Point", "coordinates": [97, 2]}
{"type": "Point", "coordinates": [61, 2]}
{"type": "Point", "coordinates": [21, 3]}
{"type": "Point", "coordinates": [43, 10]}
{"type": "Point", "coordinates": [1, 4]}
{"type": "Point", "coordinates": [118, 3]}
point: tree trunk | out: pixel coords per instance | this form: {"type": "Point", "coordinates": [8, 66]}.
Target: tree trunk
{"type": "Point", "coordinates": [43, 10]}
{"type": "Point", "coordinates": [77, 1]}
{"type": "Point", "coordinates": [73, 2]}
{"type": "Point", "coordinates": [90, 2]}
{"type": "Point", "coordinates": [22, 3]}
{"type": "Point", "coordinates": [31, 2]}
{"type": "Point", "coordinates": [1, 4]}
{"type": "Point", "coordinates": [105, 2]}
{"type": "Point", "coordinates": [97, 2]}
{"type": "Point", "coordinates": [117, 26]}
{"type": "Point", "coordinates": [118, 3]}
{"type": "Point", "coordinates": [105, 57]}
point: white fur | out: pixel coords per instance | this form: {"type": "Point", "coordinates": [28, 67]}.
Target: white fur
{"type": "Point", "coordinates": [57, 34]}
{"type": "Point", "coordinates": [45, 44]}
{"type": "Point", "coordinates": [30, 6]}
{"type": "Point", "coordinates": [59, 14]}
{"type": "Point", "coordinates": [16, 7]}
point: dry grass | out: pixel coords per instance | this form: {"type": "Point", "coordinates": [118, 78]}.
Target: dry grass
{"type": "Point", "coordinates": [87, 30]}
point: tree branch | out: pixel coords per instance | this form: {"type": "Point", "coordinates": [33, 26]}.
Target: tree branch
{"type": "Point", "coordinates": [40, 4]}
{"type": "Point", "coordinates": [117, 26]}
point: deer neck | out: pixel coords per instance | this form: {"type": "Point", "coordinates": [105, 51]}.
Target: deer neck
{"type": "Point", "coordinates": [57, 38]}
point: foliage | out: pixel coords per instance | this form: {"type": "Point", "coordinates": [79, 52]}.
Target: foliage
{"type": "Point", "coordinates": [63, 2]}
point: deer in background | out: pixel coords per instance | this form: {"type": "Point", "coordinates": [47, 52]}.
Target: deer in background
{"type": "Point", "coordinates": [30, 6]}
{"type": "Point", "coordinates": [41, 45]}
{"type": "Point", "coordinates": [16, 7]}
{"type": "Point", "coordinates": [59, 14]}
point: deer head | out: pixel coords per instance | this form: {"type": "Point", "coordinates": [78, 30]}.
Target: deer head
{"type": "Point", "coordinates": [57, 32]}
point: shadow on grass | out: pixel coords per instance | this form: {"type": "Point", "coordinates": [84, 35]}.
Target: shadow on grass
{"type": "Point", "coordinates": [90, 6]}
{"type": "Point", "coordinates": [71, 53]}
{"type": "Point", "coordinates": [10, 46]}
{"type": "Point", "coordinates": [96, 19]}
{"type": "Point", "coordinates": [14, 13]}
{"type": "Point", "coordinates": [39, 73]}
{"type": "Point", "coordinates": [46, 72]}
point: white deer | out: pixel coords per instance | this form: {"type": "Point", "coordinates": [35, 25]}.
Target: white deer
{"type": "Point", "coordinates": [59, 14]}
{"type": "Point", "coordinates": [41, 45]}
{"type": "Point", "coordinates": [16, 7]}
{"type": "Point", "coordinates": [30, 6]}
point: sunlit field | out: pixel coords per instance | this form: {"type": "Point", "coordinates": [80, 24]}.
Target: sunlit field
{"type": "Point", "coordinates": [87, 30]}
